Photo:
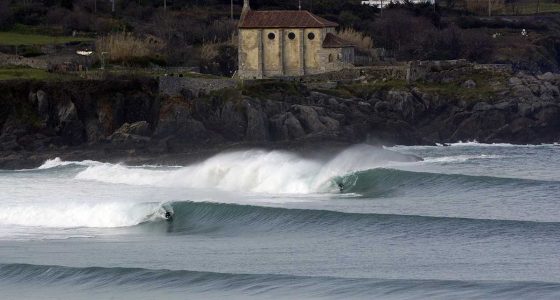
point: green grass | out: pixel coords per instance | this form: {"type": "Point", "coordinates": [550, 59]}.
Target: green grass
{"type": "Point", "coordinates": [365, 90]}
{"type": "Point", "coordinates": [488, 85]}
{"type": "Point", "coordinates": [531, 8]}
{"type": "Point", "coordinates": [17, 39]}
{"type": "Point", "coordinates": [14, 73]}
{"type": "Point", "coordinates": [143, 72]}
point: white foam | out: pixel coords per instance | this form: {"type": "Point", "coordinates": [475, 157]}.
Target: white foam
{"type": "Point", "coordinates": [64, 215]}
{"type": "Point", "coordinates": [57, 162]}
{"type": "Point", "coordinates": [275, 172]}
{"type": "Point", "coordinates": [470, 144]}
{"type": "Point", "coordinates": [459, 158]}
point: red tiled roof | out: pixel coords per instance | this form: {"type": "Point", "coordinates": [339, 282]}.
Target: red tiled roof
{"type": "Point", "coordinates": [283, 19]}
{"type": "Point", "coordinates": [333, 41]}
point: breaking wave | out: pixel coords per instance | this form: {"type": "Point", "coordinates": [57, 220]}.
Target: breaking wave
{"type": "Point", "coordinates": [73, 215]}
{"type": "Point", "coordinates": [274, 172]}
{"type": "Point", "coordinates": [221, 218]}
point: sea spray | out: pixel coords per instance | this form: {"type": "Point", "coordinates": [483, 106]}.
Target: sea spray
{"type": "Point", "coordinates": [274, 172]}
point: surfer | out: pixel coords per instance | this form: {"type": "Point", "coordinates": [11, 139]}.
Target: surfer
{"type": "Point", "coordinates": [341, 187]}
{"type": "Point", "coordinates": [168, 216]}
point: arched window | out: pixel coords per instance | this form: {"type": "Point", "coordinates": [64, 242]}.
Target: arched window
{"type": "Point", "coordinates": [330, 58]}
{"type": "Point", "coordinates": [291, 35]}
{"type": "Point", "coordinates": [271, 36]}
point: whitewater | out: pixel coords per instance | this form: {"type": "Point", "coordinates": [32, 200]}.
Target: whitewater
{"type": "Point", "coordinates": [464, 220]}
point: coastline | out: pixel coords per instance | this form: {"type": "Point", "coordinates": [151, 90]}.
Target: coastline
{"type": "Point", "coordinates": [131, 121]}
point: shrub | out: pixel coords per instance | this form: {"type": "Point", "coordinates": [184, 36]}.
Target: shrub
{"type": "Point", "coordinates": [209, 50]}
{"type": "Point", "coordinates": [218, 58]}
{"type": "Point", "coordinates": [77, 20]}
{"type": "Point", "coordinates": [361, 40]}
{"type": "Point", "coordinates": [481, 6]}
{"type": "Point", "coordinates": [127, 48]}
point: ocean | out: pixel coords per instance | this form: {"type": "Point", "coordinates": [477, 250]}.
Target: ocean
{"type": "Point", "coordinates": [460, 221]}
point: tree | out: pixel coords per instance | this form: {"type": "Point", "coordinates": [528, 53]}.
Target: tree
{"type": "Point", "coordinates": [450, 3]}
{"type": "Point", "coordinates": [6, 15]}
{"type": "Point", "coordinates": [68, 4]}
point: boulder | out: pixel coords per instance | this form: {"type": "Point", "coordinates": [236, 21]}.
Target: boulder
{"type": "Point", "coordinates": [66, 112]}
{"type": "Point", "coordinates": [308, 117]}
{"type": "Point", "coordinates": [382, 106]}
{"type": "Point", "coordinates": [469, 84]}
{"type": "Point", "coordinates": [548, 76]}
{"type": "Point", "coordinates": [137, 132]}
{"type": "Point", "coordinates": [141, 128]}
{"type": "Point", "coordinates": [294, 127]}
{"type": "Point", "coordinates": [405, 103]}
{"type": "Point", "coordinates": [482, 106]}
{"type": "Point", "coordinates": [515, 81]}
{"type": "Point", "coordinates": [285, 127]}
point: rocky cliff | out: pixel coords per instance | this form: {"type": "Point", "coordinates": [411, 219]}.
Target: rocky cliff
{"type": "Point", "coordinates": [124, 118]}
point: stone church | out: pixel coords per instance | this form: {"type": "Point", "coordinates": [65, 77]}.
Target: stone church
{"type": "Point", "coordinates": [289, 43]}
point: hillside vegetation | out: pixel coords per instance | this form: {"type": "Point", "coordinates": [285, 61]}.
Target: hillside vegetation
{"type": "Point", "coordinates": [202, 33]}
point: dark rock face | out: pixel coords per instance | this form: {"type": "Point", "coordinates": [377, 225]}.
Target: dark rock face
{"type": "Point", "coordinates": [131, 115]}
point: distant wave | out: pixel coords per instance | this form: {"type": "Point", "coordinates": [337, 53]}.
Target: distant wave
{"type": "Point", "coordinates": [381, 182]}
{"type": "Point", "coordinates": [460, 158]}
{"type": "Point", "coordinates": [57, 162]}
{"type": "Point", "coordinates": [472, 144]}
{"type": "Point", "coordinates": [91, 282]}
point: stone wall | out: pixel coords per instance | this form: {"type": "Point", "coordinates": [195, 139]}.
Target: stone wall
{"type": "Point", "coordinates": [174, 86]}
{"type": "Point", "coordinates": [424, 70]}
{"type": "Point", "coordinates": [411, 72]}
{"type": "Point", "coordinates": [16, 60]}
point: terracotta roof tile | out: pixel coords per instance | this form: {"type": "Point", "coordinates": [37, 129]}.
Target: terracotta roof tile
{"type": "Point", "coordinates": [333, 41]}
{"type": "Point", "coordinates": [283, 19]}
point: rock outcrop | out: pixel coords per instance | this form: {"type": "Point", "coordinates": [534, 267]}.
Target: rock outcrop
{"type": "Point", "coordinates": [123, 114]}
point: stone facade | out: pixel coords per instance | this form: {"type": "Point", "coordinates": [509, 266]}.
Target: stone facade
{"type": "Point", "coordinates": [289, 43]}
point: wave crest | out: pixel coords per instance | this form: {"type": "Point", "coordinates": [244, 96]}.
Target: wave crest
{"type": "Point", "coordinates": [275, 172]}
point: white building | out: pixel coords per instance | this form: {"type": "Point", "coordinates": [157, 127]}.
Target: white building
{"type": "Point", "coordinates": [383, 3]}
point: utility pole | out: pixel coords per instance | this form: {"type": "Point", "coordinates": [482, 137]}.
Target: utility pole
{"type": "Point", "coordinates": [113, 6]}
{"type": "Point", "coordinates": [231, 11]}
{"type": "Point", "coordinates": [489, 8]}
